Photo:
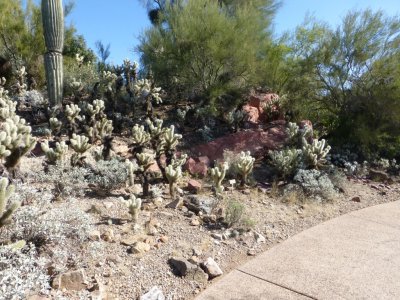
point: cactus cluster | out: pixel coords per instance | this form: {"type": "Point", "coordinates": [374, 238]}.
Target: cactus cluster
{"type": "Point", "coordinates": [140, 136]}
{"type": "Point", "coordinates": [131, 169]}
{"type": "Point", "coordinates": [218, 174]}
{"type": "Point", "coordinates": [6, 211]}
{"type": "Point", "coordinates": [286, 162]}
{"type": "Point", "coordinates": [20, 86]}
{"type": "Point", "coordinates": [53, 155]}
{"type": "Point", "coordinates": [314, 154]}
{"type": "Point", "coordinates": [134, 205]}
{"type": "Point", "coordinates": [80, 143]}
{"type": "Point", "coordinates": [244, 166]}
{"type": "Point", "coordinates": [173, 174]}
{"type": "Point", "coordinates": [169, 140]}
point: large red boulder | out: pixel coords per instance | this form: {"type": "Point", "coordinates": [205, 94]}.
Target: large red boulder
{"type": "Point", "coordinates": [255, 107]}
{"type": "Point", "coordinates": [258, 142]}
{"type": "Point", "coordinates": [198, 166]}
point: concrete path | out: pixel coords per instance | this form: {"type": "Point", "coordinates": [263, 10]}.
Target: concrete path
{"type": "Point", "coordinates": [355, 256]}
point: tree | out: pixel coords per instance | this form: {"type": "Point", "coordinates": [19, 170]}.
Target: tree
{"type": "Point", "coordinates": [207, 48]}
{"type": "Point", "coordinates": [337, 75]}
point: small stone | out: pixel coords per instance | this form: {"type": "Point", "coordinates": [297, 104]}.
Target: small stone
{"type": "Point", "coordinates": [72, 281]}
{"type": "Point", "coordinates": [158, 201]}
{"type": "Point", "coordinates": [194, 260]}
{"type": "Point", "coordinates": [259, 237]}
{"type": "Point", "coordinates": [108, 235]}
{"type": "Point", "coordinates": [94, 235]}
{"type": "Point", "coordinates": [217, 236]}
{"type": "Point", "coordinates": [251, 252]}
{"type": "Point", "coordinates": [194, 186]}
{"type": "Point", "coordinates": [179, 191]}
{"type": "Point", "coordinates": [113, 259]}
{"type": "Point", "coordinates": [356, 199]}
{"type": "Point", "coordinates": [181, 265]}
{"type": "Point", "coordinates": [374, 187]}
{"type": "Point", "coordinates": [153, 294]}
{"type": "Point", "coordinates": [195, 222]}
{"type": "Point", "coordinates": [175, 204]}
{"type": "Point", "coordinates": [212, 268]}
{"type": "Point", "coordinates": [246, 192]}
{"type": "Point", "coordinates": [140, 248]}
{"type": "Point", "coordinates": [196, 251]}
{"type": "Point", "coordinates": [108, 205]}
{"type": "Point", "coordinates": [164, 239]}
{"type": "Point", "coordinates": [131, 240]}
{"type": "Point", "coordinates": [232, 182]}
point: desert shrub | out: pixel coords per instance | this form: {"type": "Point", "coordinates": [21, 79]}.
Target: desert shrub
{"type": "Point", "coordinates": [66, 180]}
{"type": "Point", "coordinates": [109, 174]}
{"type": "Point", "coordinates": [61, 226]}
{"type": "Point", "coordinates": [22, 273]}
{"type": "Point", "coordinates": [234, 212]}
{"type": "Point", "coordinates": [315, 184]}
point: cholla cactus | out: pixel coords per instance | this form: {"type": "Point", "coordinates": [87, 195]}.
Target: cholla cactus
{"type": "Point", "coordinates": [5, 193]}
{"type": "Point", "coordinates": [95, 108]}
{"type": "Point", "coordinates": [131, 168]}
{"type": "Point", "coordinates": [56, 154]}
{"type": "Point", "coordinates": [55, 124]}
{"type": "Point", "coordinates": [80, 143]}
{"type": "Point", "coordinates": [79, 59]}
{"type": "Point", "coordinates": [314, 154]}
{"type": "Point", "coordinates": [244, 165]}
{"type": "Point", "coordinates": [173, 174]}
{"type": "Point", "coordinates": [178, 162]}
{"type": "Point", "coordinates": [292, 131]}
{"type": "Point", "coordinates": [72, 113]}
{"type": "Point", "coordinates": [109, 79]}
{"type": "Point", "coordinates": [169, 140]}
{"type": "Point", "coordinates": [155, 127]}
{"type": "Point", "coordinates": [144, 88]}
{"type": "Point", "coordinates": [21, 86]}
{"type": "Point", "coordinates": [103, 128]}
{"type": "Point", "coordinates": [145, 160]}
{"type": "Point", "coordinates": [286, 162]}
{"type": "Point", "coordinates": [18, 140]}
{"type": "Point", "coordinates": [139, 135]}
{"type": "Point", "coordinates": [4, 141]}
{"type": "Point", "coordinates": [134, 204]}
{"type": "Point", "coordinates": [218, 175]}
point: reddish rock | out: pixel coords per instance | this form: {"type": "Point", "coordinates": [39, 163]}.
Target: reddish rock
{"type": "Point", "coordinates": [261, 100]}
{"type": "Point", "coordinates": [198, 168]}
{"type": "Point", "coordinates": [194, 186]}
{"type": "Point", "coordinates": [154, 169]}
{"type": "Point", "coordinates": [252, 114]}
{"type": "Point", "coordinates": [205, 160]}
{"type": "Point", "coordinates": [258, 142]}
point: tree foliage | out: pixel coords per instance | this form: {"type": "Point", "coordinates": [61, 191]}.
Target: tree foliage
{"type": "Point", "coordinates": [205, 47]}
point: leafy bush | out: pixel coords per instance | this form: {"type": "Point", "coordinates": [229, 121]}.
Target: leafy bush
{"type": "Point", "coordinates": [234, 212]}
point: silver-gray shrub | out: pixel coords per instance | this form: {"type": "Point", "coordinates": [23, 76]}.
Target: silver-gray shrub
{"type": "Point", "coordinates": [109, 174]}
{"type": "Point", "coordinates": [22, 273]}
{"type": "Point", "coordinates": [62, 226]}
{"type": "Point", "coordinates": [315, 184]}
{"type": "Point", "coordinates": [66, 180]}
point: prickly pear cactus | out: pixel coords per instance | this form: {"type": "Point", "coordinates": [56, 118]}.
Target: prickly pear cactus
{"type": "Point", "coordinates": [53, 26]}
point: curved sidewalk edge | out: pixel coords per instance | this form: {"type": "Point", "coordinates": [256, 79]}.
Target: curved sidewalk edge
{"type": "Point", "coordinates": [355, 256]}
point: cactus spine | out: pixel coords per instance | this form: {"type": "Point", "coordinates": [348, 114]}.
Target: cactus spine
{"type": "Point", "coordinates": [53, 25]}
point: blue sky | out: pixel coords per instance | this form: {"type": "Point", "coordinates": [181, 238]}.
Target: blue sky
{"type": "Point", "coordinates": [120, 22]}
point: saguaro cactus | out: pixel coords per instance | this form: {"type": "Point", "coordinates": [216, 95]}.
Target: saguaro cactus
{"type": "Point", "coordinates": [53, 25]}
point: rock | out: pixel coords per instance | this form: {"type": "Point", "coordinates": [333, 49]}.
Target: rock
{"type": "Point", "coordinates": [377, 175]}
{"type": "Point", "coordinates": [164, 239]}
{"type": "Point", "coordinates": [94, 235]}
{"type": "Point", "coordinates": [175, 204]}
{"type": "Point", "coordinates": [72, 281]}
{"type": "Point", "coordinates": [204, 160]}
{"type": "Point", "coordinates": [259, 237]}
{"type": "Point", "coordinates": [136, 189]}
{"type": "Point", "coordinates": [108, 205]}
{"type": "Point", "coordinates": [154, 169]}
{"type": "Point", "coordinates": [212, 268]}
{"type": "Point", "coordinates": [258, 142]}
{"type": "Point", "coordinates": [194, 186]}
{"type": "Point", "coordinates": [153, 294]}
{"type": "Point", "coordinates": [209, 219]}
{"type": "Point", "coordinates": [37, 297]}
{"type": "Point", "coordinates": [217, 236]}
{"type": "Point", "coordinates": [251, 252]}
{"type": "Point", "coordinates": [195, 222]}
{"type": "Point", "coordinates": [356, 199]}
{"type": "Point", "coordinates": [252, 114]}
{"type": "Point", "coordinates": [108, 235]}
{"type": "Point", "coordinates": [158, 201]}
{"type": "Point", "coordinates": [374, 187]}
{"type": "Point", "coordinates": [182, 266]}
{"type": "Point", "coordinates": [99, 290]}
{"type": "Point", "coordinates": [246, 192]}
{"type": "Point", "coordinates": [140, 248]}
{"type": "Point", "coordinates": [197, 203]}
{"type": "Point", "coordinates": [196, 168]}
{"type": "Point", "coordinates": [131, 240]}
